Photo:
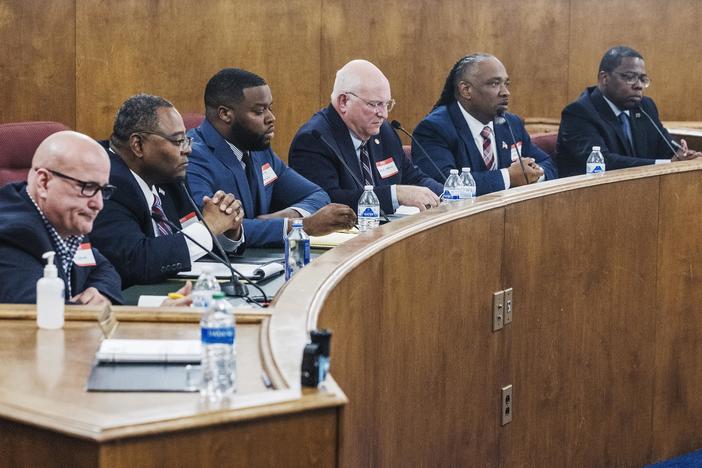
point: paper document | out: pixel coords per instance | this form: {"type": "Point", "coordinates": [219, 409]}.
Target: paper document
{"type": "Point", "coordinates": [250, 271]}
{"type": "Point", "coordinates": [149, 351]}
{"type": "Point", "coordinates": [404, 210]}
{"type": "Point", "coordinates": [333, 239]}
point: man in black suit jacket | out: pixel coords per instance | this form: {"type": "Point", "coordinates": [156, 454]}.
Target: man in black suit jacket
{"type": "Point", "coordinates": [617, 117]}
{"type": "Point", "coordinates": [149, 155]}
{"type": "Point", "coordinates": [356, 119]}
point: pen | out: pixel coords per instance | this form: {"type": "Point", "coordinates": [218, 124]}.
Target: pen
{"type": "Point", "coordinates": [175, 296]}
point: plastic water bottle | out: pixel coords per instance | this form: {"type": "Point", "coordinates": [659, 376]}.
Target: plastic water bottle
{"type": "Point", "coordinates": [297, 249]}
{"type": "Point", "coordinates": [452, 187]}
{"type": "Point", "coordinates": [205, 286]}
{"type": "Point", "coordinates": [217, 337]}
{"type": "Point", "coordinates": [467, 184]}
{"type": "Point", "coordinates": [595, 162]}
{"type": "Point", "coordinates": [368, 210]}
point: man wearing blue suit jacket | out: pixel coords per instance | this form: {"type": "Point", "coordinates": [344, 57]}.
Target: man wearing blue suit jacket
{"type": "Point", "coordinates": [138, 228]}
{"type": "Point", "coordinates": [469, 127]}
{"type": "Point", "coordinates": [231, 151]}
{"type": "Point", "coordinates": [354, 128]}
{"type": "Point", "coordinates": [54, 211]}
{"type": "Point", "coordinates": [617, 117]}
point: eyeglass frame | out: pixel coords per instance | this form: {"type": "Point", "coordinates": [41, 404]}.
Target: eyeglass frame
{"type": "Point", "coordinates": [375, 105]}
{"type": "Point", "coordinates": [107, 190]}
{"type": "Point", "coordinates": [183, 144]}
{"type": "Point", "coordinates": [633, 78]}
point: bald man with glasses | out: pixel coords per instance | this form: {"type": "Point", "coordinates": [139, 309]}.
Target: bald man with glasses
{"type": "Point", "coordinates": [355, 127]}
{"type": "Point", "coordinates": [616, 116]}
{"type": "Point", "coordinates": [138, 231]}
{"type": "Point", "coordinates": [54, 211]}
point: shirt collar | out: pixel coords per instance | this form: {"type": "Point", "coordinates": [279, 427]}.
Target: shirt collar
{"type": "Point", "coordinates": [357, 142]}
{"type": "Point", "coordinates": [145, 189]}
{"type": "Point", "coordinates": [614, 107]}
{"type": "Point", "coordinates": [237, 152]}
{"type": "Point", "coordinates": [475, 125]}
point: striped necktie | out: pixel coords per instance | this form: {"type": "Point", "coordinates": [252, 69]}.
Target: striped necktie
{"type": "Point", "coordinates": [163, 228]}
{"type": "Point", "coordinates": [366, 167]}
{"type": "Point", "coordinates": [488, 154]}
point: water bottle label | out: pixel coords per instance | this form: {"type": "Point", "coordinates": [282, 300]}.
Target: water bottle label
{"type": "Point", "coordinates": [449, 195]}
{"type": "Point", "coordinates": [224, 335]}
{"type": "Point", "coordinates": [594, 168]}
{"type": "Point", "coordinates": [369, 212]}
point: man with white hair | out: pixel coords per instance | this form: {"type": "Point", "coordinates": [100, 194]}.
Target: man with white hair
{"type": "Point", "coordinates": [54, 210]}
{"type": "Point", "coordinates": [354, 127]}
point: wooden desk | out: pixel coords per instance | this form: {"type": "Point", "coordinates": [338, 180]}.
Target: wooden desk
{"type": "Point", "coordinates": [48, 419]}
{"type": "Point", "coordinates": [604, 354]}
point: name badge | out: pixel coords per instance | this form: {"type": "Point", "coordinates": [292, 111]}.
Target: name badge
{"type": "Point", "coordinates": [514, 147]}
{"type": "Point", "coordinates": [188, 219]}
{"type": "Point", "coordinates": [387, 168]}
{"type": "Point", "coordinates": [84, 255]}
{"type": "Point", "coordinates": [269, 175]}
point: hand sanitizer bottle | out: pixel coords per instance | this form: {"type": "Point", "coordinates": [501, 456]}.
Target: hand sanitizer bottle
{"type": "Point", "coordinates": [50, 296]}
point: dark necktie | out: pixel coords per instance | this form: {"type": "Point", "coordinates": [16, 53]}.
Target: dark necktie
{"type": "Point", "coordinates": [251, 178]}
{"type": "Point", "coordinates": [163, 228]}
{"type": "Point", "coordinates": [626, 126]}
{"type": "Point", "coordinates": [488, 153]}
{"type": "Point", "coordinates": [366, 167]}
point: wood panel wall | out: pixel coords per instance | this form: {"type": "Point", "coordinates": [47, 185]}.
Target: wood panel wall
{"type": "Point", "coordinates": [75, 61]}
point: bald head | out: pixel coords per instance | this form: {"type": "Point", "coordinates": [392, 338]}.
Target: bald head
{"type": "Point", "coordinates": [58, 158]}
{"type": "Point", "coordinates": [358, 76]}
{"type": "Point", "coordinates": [361, 96]}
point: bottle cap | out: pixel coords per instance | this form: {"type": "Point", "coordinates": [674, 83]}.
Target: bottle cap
{"type": "Point", "coordinates": [297, 222]}
{"type": "Point", "coordinates": [466, 169]}
{"type": "Point", "coordinates": [595, 148]}
{"type": "Point", "coordinates": [368, 187]}
{"type": "Point", "coordinates": [218, 295]}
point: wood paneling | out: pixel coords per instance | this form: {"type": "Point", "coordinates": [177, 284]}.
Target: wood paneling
{"type": "Point", "coordinates": [678, 340]}
{"type": "Point", "coordinates": [657, 30]}
{"type": "Point", "coordinates": [37, 61]}
{"type": "Point", "coordinates": [421, 366]}
{"type": "Point", "coordinates": [584, 301]}
{"type": "Point", "coordinates": [171, 48]}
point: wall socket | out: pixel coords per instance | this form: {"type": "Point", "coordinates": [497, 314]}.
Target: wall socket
{"type": "Point", "coordinates": [507, 404]}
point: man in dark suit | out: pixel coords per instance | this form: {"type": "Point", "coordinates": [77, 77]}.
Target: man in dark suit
{"type": "Point", "coordinates": [137, 229]}
{"type": "Point", "coordinates": [54, 211]}
{"type": "Point", "coordinates": [617, 117]}
{"type": "Point", "coordinates": [231, 151]}
{"type": "Point", "coordinates": [469, 127]}
{"type": "Point", "coordinates": [355, 126]}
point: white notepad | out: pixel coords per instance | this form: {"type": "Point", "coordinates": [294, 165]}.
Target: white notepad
{"type": "Point", "coordinates": [149, 351]}
{"type": "Point", "coordinates": [250, 271]}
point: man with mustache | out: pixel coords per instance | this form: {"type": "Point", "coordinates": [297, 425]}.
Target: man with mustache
{"type": "Point", "coordinates": [617, 117]}
{"type": "Point", "coordinates": [54, 210]}
{"type": "Point", "coordinates": [464, 130]}
{"type": "Point", "coordinates": [355, 124]}
{"type": "Point", "coordinates": [138, 229]}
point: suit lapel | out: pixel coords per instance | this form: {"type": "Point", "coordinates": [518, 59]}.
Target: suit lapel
{"type": "Point", "coordinates": [474, 153]}
{"type": "Point", "coordinates": [608, 115]}
{"type": "Point", "coordinates": [503, 141]}
{"type": "Point", "coordinates": [341, 135]}
{"type": "Point", "coordinates": [638, 133]}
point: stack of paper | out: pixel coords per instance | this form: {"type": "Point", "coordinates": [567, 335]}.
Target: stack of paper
{"type": "Point", "coordinates": [149, 351]}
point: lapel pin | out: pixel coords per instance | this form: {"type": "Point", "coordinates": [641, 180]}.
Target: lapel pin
{"type": "Point", "coordinates": [161, 191]}
{"type": "Point", "coordinates": [637, 115]}
{"type": "Point", "coordinates": [504, 145]}
{"type": "Point", "coordinates": [377, 142]}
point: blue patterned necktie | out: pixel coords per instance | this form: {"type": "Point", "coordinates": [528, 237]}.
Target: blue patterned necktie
{"type": "Point", "coordinates": [626, 126]}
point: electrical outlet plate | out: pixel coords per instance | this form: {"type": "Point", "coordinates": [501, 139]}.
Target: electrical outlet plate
{"type": "Point", "coordinates": [498, 318]}
{"type": "Point", "coordinates": [507, 404]}
{"type": "Point", "coordinates": [508, 306]}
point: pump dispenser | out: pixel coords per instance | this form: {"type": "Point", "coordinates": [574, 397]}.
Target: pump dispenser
{"type": "Point", "coordinates": [50, 296]}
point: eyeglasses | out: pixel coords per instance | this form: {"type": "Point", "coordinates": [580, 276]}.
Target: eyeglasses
{"type": "Point", "coordinates": [633, 78]}
{"type": "Point", "coordinates": [184, 144]}
{"type": "Point", "coordinates": [375, 105]}
{"type": "Point", "coordinates": [87, 189]}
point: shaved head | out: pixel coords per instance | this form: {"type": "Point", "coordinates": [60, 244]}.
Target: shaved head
{"type": "Point", "coordinates": [74, 155]}
{"type": "Point", "coordinates": [359, 88]}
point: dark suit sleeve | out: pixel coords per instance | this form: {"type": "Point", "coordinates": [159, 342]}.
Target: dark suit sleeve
{"type": "Point", "coordinates": [438, 145]}
{"type": "Point", "coordinates": [105, 279]}
{"type": "Point", "coordinates": [314, 161]}
{"type": "Point", "coordinates": [411, 174]}
{"type": "Point", "coordinates": [139, 259]}
{"type": "Point", "coordinates": [577, 134]}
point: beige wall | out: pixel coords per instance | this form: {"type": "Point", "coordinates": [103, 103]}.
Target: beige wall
{"type": "Point", "coordinates": [75, 61]}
